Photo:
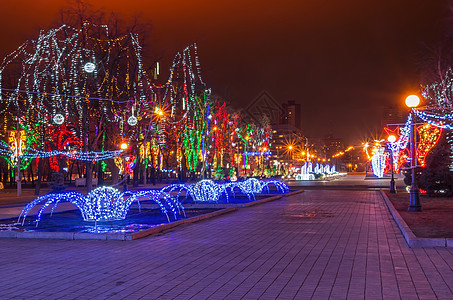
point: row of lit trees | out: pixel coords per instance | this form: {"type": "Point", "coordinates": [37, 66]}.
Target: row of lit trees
{"type": "Point", "coordinates": [84, 91]}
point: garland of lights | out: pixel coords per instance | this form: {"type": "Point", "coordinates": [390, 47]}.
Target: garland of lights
{"type": "Point", "coordinates": [63, 85]}
{"type": "Point", "coordinates": [440, 95]}
{"type": "Point", "coordinates": [441, 92]}
{"type": "Point", "coordinates": [441, 121]}
{"type": "Point", "coordinates": [62, 81]}
{"type": "Point", "coordinates": [76, 155]}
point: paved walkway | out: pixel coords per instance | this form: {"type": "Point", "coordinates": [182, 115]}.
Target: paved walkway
{"type": "Point", "coordinates": [315, 245]}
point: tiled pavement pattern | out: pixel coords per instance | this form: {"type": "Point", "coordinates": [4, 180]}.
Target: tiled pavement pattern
{"type": "Point", "coordinates": [314, 245]}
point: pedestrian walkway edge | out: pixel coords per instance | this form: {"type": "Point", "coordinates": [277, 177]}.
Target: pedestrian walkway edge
{"type": "Point", "coordinates": [411, 240]}
{"type": "Point", "coordinates": [294, 192]}
{"type": "Point", "coordinates": [158, 229]}
{"type": "Point", "coordinates": [271, 198]}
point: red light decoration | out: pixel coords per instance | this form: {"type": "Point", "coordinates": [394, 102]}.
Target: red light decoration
{"type": "Point", "coordinates": [130, 164]}
{"type": "Point", "coordinates": [61, 136]}
{"type": "Point", "coordinates": [429, 135]}
{"type": "Point", "coordinates": [395, 132]}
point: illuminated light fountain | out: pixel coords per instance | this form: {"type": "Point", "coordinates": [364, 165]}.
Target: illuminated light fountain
{"type": "Point", "coordinates": [307, 172]}
{"type": "Point", "coordinates": [252, 185]}
{"type": "Point", "coordinates": [280, 186]}
{"type": "Point", "coordinates": [202, 191]}
{"type": "Point", "coordinates": [304, 169]}
{"type": "Point", "coordinates": [318, 169]}
{"type": "Point", "coordinates": [166, 202]}
{"type": "Point", "coordinates": [75, 198]}
{"type": "Point", "coordinates": [209, 191]}
{"type": "Point", "coordinates": [101, 204]}
{"type": "Point", "coordinates": [206, 190]}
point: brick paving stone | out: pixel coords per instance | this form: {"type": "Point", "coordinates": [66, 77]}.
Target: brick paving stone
{"type": "Point", "coordinates": [334, 244]}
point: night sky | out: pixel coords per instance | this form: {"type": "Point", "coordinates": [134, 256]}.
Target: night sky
{"type": "Point", "coordinates": [342, 60]}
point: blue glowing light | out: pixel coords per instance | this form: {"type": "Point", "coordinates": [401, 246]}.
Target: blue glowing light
{"type": "Point", "coordinates": [165, 201]}
{"type": "Point", "coordinates": [209, 191]}
{"type": "Point", "coordinates": [202, 191]}
{"type": "Point", "coordinates": [101, 204]}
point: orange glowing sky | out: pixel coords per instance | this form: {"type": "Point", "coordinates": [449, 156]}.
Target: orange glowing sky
{"type": "Point", "coordinates": [340, 59]}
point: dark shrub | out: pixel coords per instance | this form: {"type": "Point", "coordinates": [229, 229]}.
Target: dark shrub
{"type": "Point", "coordinates": [436, 178]}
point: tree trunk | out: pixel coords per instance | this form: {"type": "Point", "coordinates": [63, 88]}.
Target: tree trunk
{"type": "Point", "coordinates": [113, 169]}
{"type": "Point", "coordinates": [89, 176]}
{"type": "Point", "coordinates": [136, 168]}
{"type": "Point", "coordinates": [100, 174]}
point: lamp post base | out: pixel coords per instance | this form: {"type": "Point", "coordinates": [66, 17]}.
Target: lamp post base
{"type": "Point", "coordinates": [392, 186]}
{"type": "Point", "coordinates": [414, 201]}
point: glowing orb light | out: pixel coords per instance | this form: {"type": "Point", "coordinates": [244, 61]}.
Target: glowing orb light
{"type": "Point", "coordinates": [123, 146]}
{"type": "Point", "coordinates": [89, 67]}
{"type": "Point", "coordinates": [132, 120]}
{"type": "Point", "coordinates": [412, 101]}
{"type": "Point", "coordinates": [391, 138]}
{"type": "Point", "coordinates": [58, 119]}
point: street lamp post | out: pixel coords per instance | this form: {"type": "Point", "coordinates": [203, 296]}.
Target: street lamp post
{"type": "Point", "coordinates": [391, 140]}
{"type": "Point", "coordinates": [413, 101]}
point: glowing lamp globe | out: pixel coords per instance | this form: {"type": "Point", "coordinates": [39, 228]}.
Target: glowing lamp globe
{"type": "Point", "coordinates": [391, 138]}
{"type": "Point", "coordinates": [58, 119]}
{"type": "Point", "coordinates": [132, 120]}
{"type": "Point", "coordinates": [89, 67]}
{"type": "Point", "coordinates": [158, 111]}
{"type": "Point", "coordinates": [412, 101]}
{"type": "Point", "coordinates": [123, 146]}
